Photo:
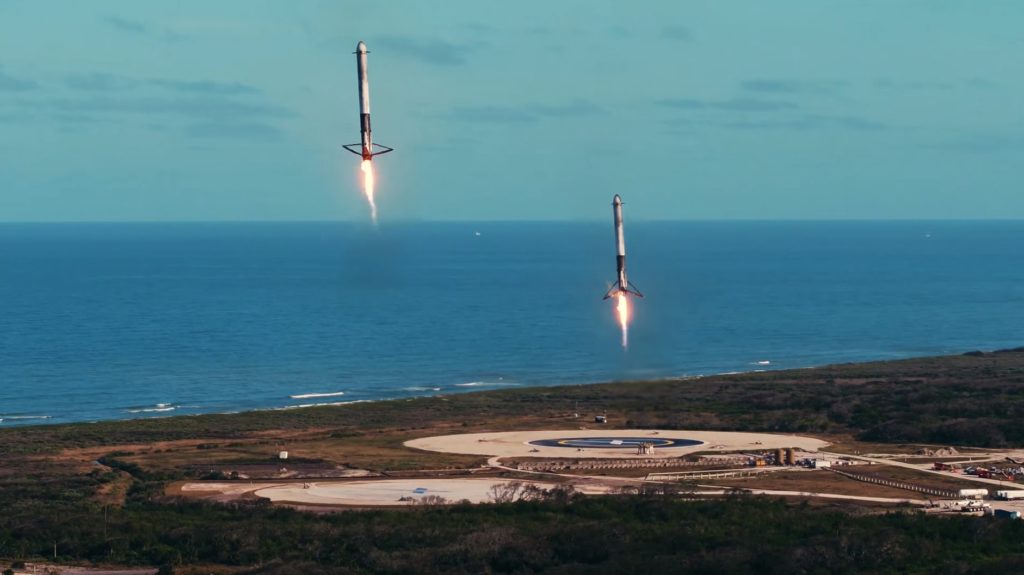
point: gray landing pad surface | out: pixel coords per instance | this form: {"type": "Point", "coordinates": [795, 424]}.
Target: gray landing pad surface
{"type": "Point", "coordinates": [615, 442]}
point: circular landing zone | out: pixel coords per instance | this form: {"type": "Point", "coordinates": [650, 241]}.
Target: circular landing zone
{"type": "Point", "coordinates": [615, 442]}
{"type": "Point", "coordinates": [560, 443]}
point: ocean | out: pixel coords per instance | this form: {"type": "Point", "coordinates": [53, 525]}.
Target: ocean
{"type": "Point", "coordinates": [114, 321]}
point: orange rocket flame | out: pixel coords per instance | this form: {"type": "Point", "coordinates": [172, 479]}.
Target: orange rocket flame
{"type": "Point", "coordinates": [367, 168]}
{"type": "Point", "coordinates": [622, 306]}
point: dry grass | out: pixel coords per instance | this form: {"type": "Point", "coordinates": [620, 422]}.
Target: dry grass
{"type": "Point", "coordinates": [818, 481]}
{"type": "Point", "coordinates": [920, 477]}
{"type": "Point", "coordinates": [379, 451]}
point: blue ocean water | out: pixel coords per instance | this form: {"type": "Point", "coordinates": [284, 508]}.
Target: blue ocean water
{"type": "Point", "coordinates": [106, 321]}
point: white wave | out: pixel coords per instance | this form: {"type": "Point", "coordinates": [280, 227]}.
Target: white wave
{"type": "Point", "coordinates": [328, 403]}
{"type": "Point", "coordinates": [485, 384]}
{"type": "Point", "coordinates": [158, 408]}
{"type": "Point", "coordinates": [22, 417]}
{"type": "Point", "coordinates": [764, 362]}
{"type": "Point", "coordinates": [312, 395]}
{"type": "Point", "coordinates": [421, 388]}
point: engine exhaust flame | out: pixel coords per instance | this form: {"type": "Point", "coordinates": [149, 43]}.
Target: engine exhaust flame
{"type": "Point", "coordinates": [367, 168]}
{"type": "Point", "coordinates": [622, 307]}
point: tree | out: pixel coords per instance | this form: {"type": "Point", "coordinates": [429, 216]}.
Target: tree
{"type": "Point", "coordinates": [431, 500]}
{"type": "Point", "coordinates": [505, 492]}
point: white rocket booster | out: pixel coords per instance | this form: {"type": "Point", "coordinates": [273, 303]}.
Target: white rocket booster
{"type": "Point", "coordinates": [622, 284]}
{"type": "Point", "coordinates": [365, 147]}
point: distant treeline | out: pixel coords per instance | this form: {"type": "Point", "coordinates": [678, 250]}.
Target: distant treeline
{"type": "Point", "coordinates": [611, 534]}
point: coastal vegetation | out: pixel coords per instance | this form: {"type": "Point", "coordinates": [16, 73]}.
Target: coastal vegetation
{"type": "Point", "coordinates": [612, 534]}
{"type": "Point", "coordinates": [97, 492]}
{"type": "Point", "coordinates": [975, 399]}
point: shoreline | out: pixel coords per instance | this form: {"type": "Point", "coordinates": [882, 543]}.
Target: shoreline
{"type": "Point", "coordinates": [169, 410]}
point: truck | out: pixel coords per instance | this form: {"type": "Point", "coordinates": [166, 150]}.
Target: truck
{"type": "Point", "coordinates": [1006, 514]}
{"type": "Point", "coordinates": [1008, 495]}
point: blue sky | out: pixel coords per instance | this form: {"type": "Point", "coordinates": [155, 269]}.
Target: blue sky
{"type": "Point", "coordinates": [197, 110]}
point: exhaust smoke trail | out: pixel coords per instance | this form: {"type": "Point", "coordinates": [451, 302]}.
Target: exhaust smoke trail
{"type": "Point", "coordinates": [367, 168]}
{"type": "Point", "coordinates": [622, 306]}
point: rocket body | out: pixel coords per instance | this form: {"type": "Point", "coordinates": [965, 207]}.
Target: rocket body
{"type": "Point", "coordinates": [366, 139]}
{"type": "Point", "coordinates": [365, 146]}
{"type": "Point", "coordinates": [620, 242]}
{"type": "Point", "coordinates": [622, 284]}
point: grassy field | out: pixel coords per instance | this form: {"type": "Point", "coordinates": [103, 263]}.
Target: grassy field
{"type": "Point", "coordinates": [815, 482]}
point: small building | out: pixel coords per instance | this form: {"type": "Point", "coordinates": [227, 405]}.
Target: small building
{"type": "Point", "coordinates": [821, 463]}
{"type": "Point", "coordinates": [283, 455]}
{"type": "Point", "coordinates": [645, 448]}
{"type": "Point", "coordinates": [600, 419]}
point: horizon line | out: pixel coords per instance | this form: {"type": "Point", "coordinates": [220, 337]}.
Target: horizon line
{"type": "Point", "coordinates": [513, 221]}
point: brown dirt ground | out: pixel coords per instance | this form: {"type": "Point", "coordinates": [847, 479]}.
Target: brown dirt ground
{"type": "Point", "coordinates": [114, 493]}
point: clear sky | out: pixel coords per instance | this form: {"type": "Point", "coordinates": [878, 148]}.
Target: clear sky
{"type": "Point", "coordinates": [237, 110]}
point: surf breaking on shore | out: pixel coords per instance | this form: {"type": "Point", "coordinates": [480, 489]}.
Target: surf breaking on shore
{"type": "Point", "coordinates": [313, 395]}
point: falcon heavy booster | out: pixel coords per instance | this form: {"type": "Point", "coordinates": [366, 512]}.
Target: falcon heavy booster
{"type": "Point", "coordinates": [365, 147]}
{"type": "Point", "coordinates": [622, 284]}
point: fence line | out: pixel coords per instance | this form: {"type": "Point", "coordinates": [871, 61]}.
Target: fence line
{"type": "Point", "coordinates": [562, 465]}
{"type": "Point", "coordinates": [945, 493]}
{"type": "Point", "coordinates": [710, 474]}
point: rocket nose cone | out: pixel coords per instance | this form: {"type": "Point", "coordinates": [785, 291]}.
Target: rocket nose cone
{"type": "Point", "coordinates": [361, 46]}
{"type": "Point", "coordinates": [616, 200]}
